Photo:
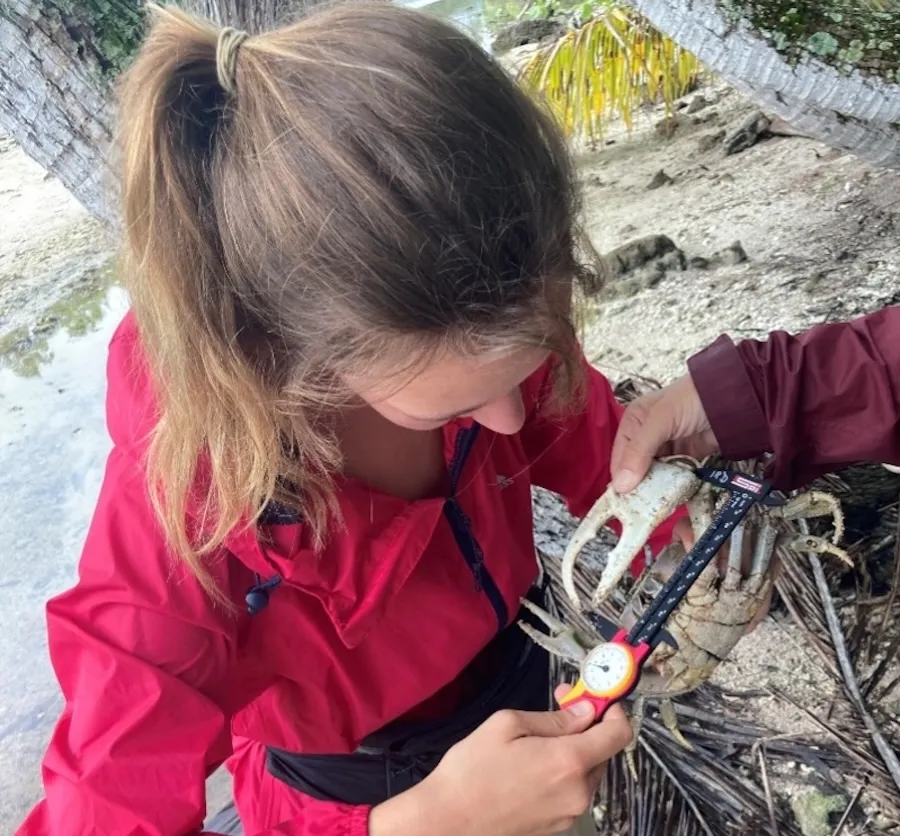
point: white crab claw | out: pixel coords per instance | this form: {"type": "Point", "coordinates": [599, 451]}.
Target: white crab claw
{"type": "Point", "coordinates": [664, 488]}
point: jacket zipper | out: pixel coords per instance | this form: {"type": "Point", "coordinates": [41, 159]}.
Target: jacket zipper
{"type": "Point", "coordinates": [462, 530]}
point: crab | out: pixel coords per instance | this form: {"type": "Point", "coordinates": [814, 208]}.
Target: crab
{"type": "Point", "coordinates": [719, 607]}
{"type": "Point", "coordinates": [669, 484]}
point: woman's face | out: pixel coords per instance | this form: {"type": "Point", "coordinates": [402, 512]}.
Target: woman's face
{"type": "Point", "coordinates": [483, 387]}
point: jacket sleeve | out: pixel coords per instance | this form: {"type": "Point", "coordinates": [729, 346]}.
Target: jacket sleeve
{"type": "Point", "coordinates": [818, 401]}
{"type": "Point", "coordinates": [149, 671]}
{"type": "Point", "coordinates": [570, 450]}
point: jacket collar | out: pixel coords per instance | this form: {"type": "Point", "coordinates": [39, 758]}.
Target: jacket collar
{"type": "Point", "coordinates": [366, 559]}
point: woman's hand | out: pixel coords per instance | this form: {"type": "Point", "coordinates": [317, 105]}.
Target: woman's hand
{"type": "Point", "coordinates": [518, 774]}
{"type": "Point", "coordinates": [661, 423]}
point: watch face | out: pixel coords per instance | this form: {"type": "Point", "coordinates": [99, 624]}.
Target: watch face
{"type": "Point", "coordinates": [606, 668]}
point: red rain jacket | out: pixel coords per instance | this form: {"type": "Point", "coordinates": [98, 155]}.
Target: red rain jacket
{"type": "Point", "coordinates": [161, 688]}
{"type": "Point", "coordinates": [820, 400]}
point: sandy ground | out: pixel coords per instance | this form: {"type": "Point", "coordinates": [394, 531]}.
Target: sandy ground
{"type": "Point", "coordinates": [47, 242]}
{"type": "Point", "coordinates": [817, 228]}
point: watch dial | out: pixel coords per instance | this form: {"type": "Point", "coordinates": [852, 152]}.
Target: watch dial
{"type": "Point", "coordinates": [606, 667]}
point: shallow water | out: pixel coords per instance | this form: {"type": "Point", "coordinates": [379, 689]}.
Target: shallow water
{"type": "Point", "coordinates": [53, 445]}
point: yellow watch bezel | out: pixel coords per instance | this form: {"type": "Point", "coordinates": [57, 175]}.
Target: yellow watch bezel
{"type": "Point", "coordinates": [621, 687]}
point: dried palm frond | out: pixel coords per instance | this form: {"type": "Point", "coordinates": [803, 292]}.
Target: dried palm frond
{"type": "Point", "coordinates": [859, 648]}
{"type": "Point", "coordinates": [606, 68]}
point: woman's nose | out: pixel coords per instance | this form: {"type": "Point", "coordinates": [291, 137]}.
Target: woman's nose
{"type": "Point", "coordinates": [505, 415]}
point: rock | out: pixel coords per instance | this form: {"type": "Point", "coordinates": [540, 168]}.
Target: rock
{"type": "Point", "coordinates": [705, 116]}
{"type": "Point", "coordinates": [709, 141]}
{"type": "Point", "coordinates": [653, 276]}
{"type": "Point", "coordinates": [815, 812]}
{"type": "Point", "coordinates": [732, 254]}
{"type": "Point", "coordinates": [697, 104]}
{"type": "Point", "coordinates": [748, 134]}
{"type": "Point", "coordinates": [667, 127]}
{"type": "Point", "coordinates": [627, 287]}
{"type": "Point", "coordinates": [641, 264]}
{"type": "Point", "coordinates": [526, 32]}
{"type": "Point", "coordinates": [781, 127]}
{"type": "Point", "coordinates": [516, 59]}
{"type": "Point", "coordinates": [660, 179]}
{"type": "Point", "coordinates": [629, 257]}
{"type": "Point", "coordinates": [672, 261]}
{"type": "Point", "coordinates": [829, 154]}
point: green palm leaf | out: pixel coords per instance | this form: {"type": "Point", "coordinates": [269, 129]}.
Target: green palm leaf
{"type": "Point", "coordinates": [607, 68]}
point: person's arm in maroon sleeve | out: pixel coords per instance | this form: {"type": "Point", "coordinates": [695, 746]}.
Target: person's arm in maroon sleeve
{"type": "Point", "coordinates": [818, 401]}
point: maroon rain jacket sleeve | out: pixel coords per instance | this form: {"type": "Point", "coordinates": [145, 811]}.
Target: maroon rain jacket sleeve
{"type": "Point", "coordinates": [819, 401]}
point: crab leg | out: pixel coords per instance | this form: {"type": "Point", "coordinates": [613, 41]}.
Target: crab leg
{"type": "Point", "coordinates": [819, 545]}
{"type": "Point", "coordinates": [670, 721]}
{"type": "Point", "coordinates": [654, 500]}
{"type": "Point", "coordinates": [735, 571]}
{"type": "Point", "coordinates": [560, 642]}
{"type": "Point", "coordinates": [813, 504]}
{"type": "Point", "coordinates": [637, 720]}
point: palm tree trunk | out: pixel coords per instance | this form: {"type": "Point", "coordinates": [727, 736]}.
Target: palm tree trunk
{"type": "Point", "coordinates": [58, 63]}
{"type": "Point", "coordinates": [55, 96]}
{"type": "Point", "coordinates": [850, 112]}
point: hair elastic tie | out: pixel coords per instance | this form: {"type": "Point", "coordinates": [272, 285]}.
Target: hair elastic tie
{"type": "Point", "coordinates": [227, 47]}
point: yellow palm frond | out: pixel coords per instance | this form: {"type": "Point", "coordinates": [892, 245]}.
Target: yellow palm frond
{"type": "Point", "coordinates": [608, 68]}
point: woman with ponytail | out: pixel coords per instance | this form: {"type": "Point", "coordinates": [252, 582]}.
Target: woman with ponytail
{"type": "Point", "coordinates": [351, 251]}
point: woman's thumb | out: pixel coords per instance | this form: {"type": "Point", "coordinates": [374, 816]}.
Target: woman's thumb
{"type": "Point", "coordinates": [572, 719]}
{"type": "Point", "coordinates": [640, 437]}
